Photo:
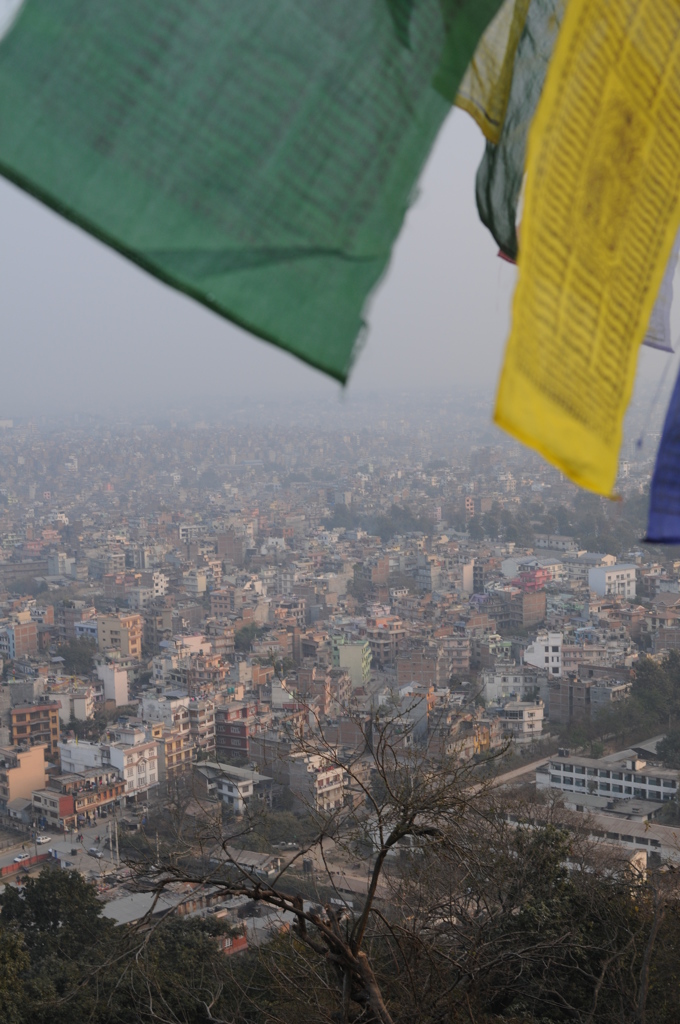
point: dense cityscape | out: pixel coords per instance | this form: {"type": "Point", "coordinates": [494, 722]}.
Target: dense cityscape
{"type": "Point", "coordinates": [226, 615]}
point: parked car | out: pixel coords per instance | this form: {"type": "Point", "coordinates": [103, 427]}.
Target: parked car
{"type": "Point", "coordinates": [21, 857]}
{"type": "Point", "coordinates": [41, 840]}
{"type": "Point", "coordinates": [94, 852]}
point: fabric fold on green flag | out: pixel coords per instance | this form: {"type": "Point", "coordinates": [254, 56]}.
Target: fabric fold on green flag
{"type": "Point", "coordinates": [258, 156]}
{"type": "Point", "coordinates": [501, 172]}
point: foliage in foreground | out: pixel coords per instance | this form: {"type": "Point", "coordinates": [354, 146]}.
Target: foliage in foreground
{"type": "Point", "coordinates": [511, 924]}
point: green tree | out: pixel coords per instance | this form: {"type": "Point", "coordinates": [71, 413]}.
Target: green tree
{"type": "Point", "coordinates": [668, 749]}
{"type": "Point", "coordinates": [656, 687]}
{"type": "Point", "coordinates": [475, 529]}
{"type": "Point", "coordinates": [58, 910]}
{"type": "Point", "coordinates": [78, 656]}
{"type": "Point", "coordinates": [244, 638]}
{"type": "Point", "coordinates": [14, 961]}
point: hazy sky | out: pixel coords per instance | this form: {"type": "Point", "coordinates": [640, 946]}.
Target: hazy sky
{"type": "Point", "coordinates": [83, 327]}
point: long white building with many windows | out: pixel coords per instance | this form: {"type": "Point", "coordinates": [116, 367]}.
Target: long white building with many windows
{"type": "Point", "coordinates": [624, 779]}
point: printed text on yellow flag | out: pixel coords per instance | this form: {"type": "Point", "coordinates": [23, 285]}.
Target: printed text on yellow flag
{"type": "Point", "coordinates": [601, 210]}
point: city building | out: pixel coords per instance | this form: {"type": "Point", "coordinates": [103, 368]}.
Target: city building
{"type": "Point", "coordinates": [522, 721]}
{"type": "Point", "coordinates": [619, 777]}
{"type": "Point", "coordinates": [236, 787]}
{"type": "Point", "coordinates": [316, 784]}
{"type": "Point", "coordinates": [202, 726]}
{"type": "Point", "coordinates": [36, 723]}
{"type": "Point", "coordinates": [115, 683]}
{"type": "Point", "coordinates": [546, 653]}
{"type": "Point", "coordinates": [235, 723]}
{"type": "Point", "coordinates": [21, 771]}
{"type": "Point", "coordinates": [130, 748]}
{"type": "Point", "coordinates": [122, 633]}
{"type": "Point", "coordinates": [619, 579]}
{"type": "Point", "coordinates": [71, 800]}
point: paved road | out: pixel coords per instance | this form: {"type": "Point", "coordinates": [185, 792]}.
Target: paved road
{"type": "Point", "coordinates": [63, 845]}
{"type": "Point", "coordinates": [517, 773]}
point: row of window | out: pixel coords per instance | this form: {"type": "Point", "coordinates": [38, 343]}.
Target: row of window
{"type": "Point", "coordinates": [604, 773]}
{"type": "Point", "coordinates": [606, 787]}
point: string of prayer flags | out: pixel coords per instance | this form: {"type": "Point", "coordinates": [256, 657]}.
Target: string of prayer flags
{"type": "Point", "coordinates": [259, 156]}
{"type": "Point", "coordinates": [663, 525]}
{"type": "Point", "coordinates": [601, 212]}
{"type": "Point", "coordinates": [501, 172]}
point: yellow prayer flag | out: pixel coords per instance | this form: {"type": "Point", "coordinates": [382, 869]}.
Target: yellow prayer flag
{"type": "Point", "coordinates": [485, 87]}
{"type": "Point", "coordinates": [602, 208]}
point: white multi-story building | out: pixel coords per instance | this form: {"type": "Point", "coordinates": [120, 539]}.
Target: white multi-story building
{"type": "Point", "coordinates": [76, 702]}
{"type": "Point", "coordinates": [172, 711]}
{"type": "Point", "coordinates": [513, 683]}
{"type": "Point", "coordinates": [546, 653]}
{"type": "Point", "coordinates": [59, 564]}
{"type": "Point", "coordinates": [315, 783]}
{"type": "Point", "coordinates": [613, 580]}
{"type": "Point", "coordinates": [139, 597]}
{"type": "Point", "coordinates": [135, 757]}
{"type": "Point", "coordinates": [523, 720]}
{"type": "Point", "coordinates": [79, 755]}
{"type": "Point", "coordinates": [235, 787]}
{"type": "Point", "coordinates": [623, 778]}
{"type": "Point", "coordinates": [115, 683]}
{"type": "Point", "coordinates": [554, 542]}
{"type": "Point", "coordinates": [195, 582]}
{"type": "Point", "coordinates": [129, 751]}
{"type": "Point", "coordinates": [160, 583]}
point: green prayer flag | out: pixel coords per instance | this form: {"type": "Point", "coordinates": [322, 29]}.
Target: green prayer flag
{"type": "Point", "coordinates": [258, 155]}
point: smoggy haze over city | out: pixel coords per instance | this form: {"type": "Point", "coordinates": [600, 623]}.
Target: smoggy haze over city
{"type": "Point", "coordinates": [83, 327]}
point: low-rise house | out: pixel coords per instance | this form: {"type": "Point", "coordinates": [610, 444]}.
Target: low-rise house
{"type": "Point", "coordinates": [522, 721]}
{"type": "Point", "coordinates": [53, 810]}
{"type": "Point", "coordinates": [235, 787]}
{"type": "Point", "coordinates": [86, 796]}
{"type": "Point", "coordinates": [315, 782]}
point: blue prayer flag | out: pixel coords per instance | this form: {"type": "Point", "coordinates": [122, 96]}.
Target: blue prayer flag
{"type": "Point", "coordinates": [663, 526]}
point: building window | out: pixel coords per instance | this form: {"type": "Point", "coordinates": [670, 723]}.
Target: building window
{"type": "Point", "coordinates": [130, 772]}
